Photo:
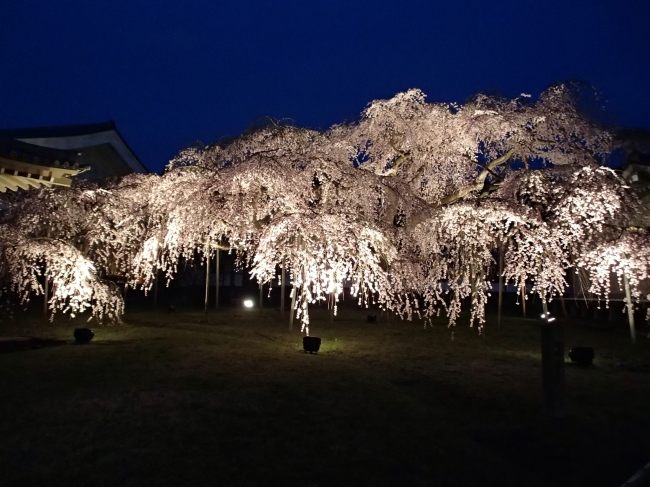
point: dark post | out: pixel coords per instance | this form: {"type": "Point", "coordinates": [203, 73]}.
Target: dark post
{"type": "Point", "coordinates": [630, 308]}
{"type": "Point", "coordinates": [500, 286]}
{"type": "Point", "coordinates": [155, 289]}
{"type": "Point", "coordinates": [282, 287]}
{"type": "Point", "coordinates": [46, 290]}
{"type": "Point", "coordinates": [207, 274]}
{"type": "Point", "coordinates": [261, 296]}
{"type": "Point", "coordinates": [552, 366]}
{"type": "Point", "coordinates": [216, 293]}
{"type": "Point", "coordinates": [293, 306]}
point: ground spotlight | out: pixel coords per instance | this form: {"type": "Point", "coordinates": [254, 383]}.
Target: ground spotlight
{"type": "Point", "coordinates": [582, 355]}
{"type": "Point", "coordinates": [83, 335]}
{"type": "Point", "coordinates": [311, 344]}
{"type": "Point", "coordinates": [248, 303]}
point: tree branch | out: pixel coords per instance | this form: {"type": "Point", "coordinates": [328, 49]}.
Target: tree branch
{"type": "Point", "coordinates": [479, 182]}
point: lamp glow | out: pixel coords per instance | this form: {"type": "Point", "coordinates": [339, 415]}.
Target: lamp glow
{"type": "Point", "coordinates": [248, 303]}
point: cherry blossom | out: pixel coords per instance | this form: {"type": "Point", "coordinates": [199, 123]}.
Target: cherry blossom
{"type": "Point", "coordinates": [411, 204]}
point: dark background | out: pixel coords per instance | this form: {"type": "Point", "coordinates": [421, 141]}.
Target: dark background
{"type": "Point", "coordinates": [170, 73]}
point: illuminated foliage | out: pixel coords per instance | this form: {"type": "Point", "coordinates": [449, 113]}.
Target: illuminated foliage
{"type": "Point", "coordinates": [410, 204]}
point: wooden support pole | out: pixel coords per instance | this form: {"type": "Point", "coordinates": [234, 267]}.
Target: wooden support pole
{"type": "Point", "coordinates": [332, 302]}
{"type": "Point", "coordinates": [216, 293]}
{"type": "Point", "coordinates": [293, 306]}
{"type": "Point", "coordinates": [553, 390]}
{"type": "Point", "coordinates": [207, 274]}
{"type": "Point", "coordinates": [500, 286]}
{"type": "Point", "coordinates": [261, 296]}
{"type": "Point", "coordinates": [630, 308]}
{"type": "Point", "coordinates": [283, 283]}
{"type": "Point", "coordinates": [155, 289]}
{"type": "Point", "coordinates": [564, 311]}
{"type": "Point", "coordinates": [46, 290]}
{"type": "Point", "coordinates": [523, 297]}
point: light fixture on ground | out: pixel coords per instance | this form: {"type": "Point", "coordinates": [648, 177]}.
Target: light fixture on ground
{"type": "Point", "coordinates": [582, 355]}
{"type": "Point", "coordinates": [311, 344]}
{"type": "Point", "coordinates": [83, 335]}
{"type": "Point", "coordinates": [248, 303]}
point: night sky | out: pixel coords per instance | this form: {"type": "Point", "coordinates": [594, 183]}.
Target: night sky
{"type": "Point", "coordinates": [170, 73]}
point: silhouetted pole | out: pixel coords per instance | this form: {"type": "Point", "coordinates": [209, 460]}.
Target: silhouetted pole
{"type": "Point", "coordinates": [552, 365]}
{"type": "Point", "coordinates": [207, 274]}
{"type": "Point", "coordinates": [216, 293]}
{"type": "Point", "coordinates": [261, 296]}
{"type": "Point", "coordinates": [630, 308]}
{"type": "Point", "coordinates": [564, 311]}
{"type": "Point", "coordinates": [293, 306]}
{"type": "Point", "coordinates": [46, 290]}
{"type": "Point", "coordinates": [282, 288]}
{"type": "Point", "coordinates": [523, 297]}
{"type": "Point", "coordinates": [500, 286]}
{"type": "Point", "coordinates": [155, 289]}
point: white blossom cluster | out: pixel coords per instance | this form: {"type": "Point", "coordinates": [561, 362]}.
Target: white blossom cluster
{"type": "Point", "coordinates": [412, 204]}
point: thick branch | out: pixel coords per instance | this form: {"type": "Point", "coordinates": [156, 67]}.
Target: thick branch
{"type": "Point", "coordinates": [402, 156]}
{"type": "Point", "coordinates": [479, 182]}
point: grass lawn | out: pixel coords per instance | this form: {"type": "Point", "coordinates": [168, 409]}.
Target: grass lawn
{"type": "Point", "coordinates": [228, 399]}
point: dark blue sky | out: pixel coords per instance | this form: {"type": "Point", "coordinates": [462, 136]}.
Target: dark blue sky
{"type": "Point", "coordinates": [170, 73]}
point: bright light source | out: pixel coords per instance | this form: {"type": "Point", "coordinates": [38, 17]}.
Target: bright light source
{"type": "Point", "coordinates": [248, 303]}
{"type": "Point", "coordinates": [551, 319]}
{"type": "Point", "coordinates": [543, 316]}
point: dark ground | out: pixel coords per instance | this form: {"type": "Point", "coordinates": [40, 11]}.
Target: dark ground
{"type": "Point", "coordinates": [228, 399]}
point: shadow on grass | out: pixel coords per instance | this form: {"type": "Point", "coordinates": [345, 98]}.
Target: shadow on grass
{"type": "Point", "coordinates": [22, 344]}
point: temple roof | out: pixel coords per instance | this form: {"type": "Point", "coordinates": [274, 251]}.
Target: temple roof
{"type": "Point", "coordinates": [98, 146]}
{"type": "Point", "coordinates": [25, 166]}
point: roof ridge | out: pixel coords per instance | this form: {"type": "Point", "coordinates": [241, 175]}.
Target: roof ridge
{"type": "Point", "coordinates": [59, 130]}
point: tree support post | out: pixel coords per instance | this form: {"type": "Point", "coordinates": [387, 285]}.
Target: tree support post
{"type": "Point", "coordinates": [630, 308]}
{"type": "Point", "coordinates": [293, 306]}
{"type": "Point", "coordinates": [500, 287]}
{"type": "Point", "coordinates": [261, 296]}
{"type": "Point", "coordinates": [155, 289]}
{"type": "Point", "coordinates": [216, 293]}
{"type": "Point", "coordinates": [282, 287]}
{"type": "Point", "coordinates": [207, 274]}
{"type": "Point", "coordinates": [553, 390]}
{"type": "Point", "coordinates": [523, 297]}
{"type": "Point", "coordinates": [46, 290]}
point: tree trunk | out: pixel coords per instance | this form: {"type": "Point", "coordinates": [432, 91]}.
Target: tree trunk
{"type": "Point", "coordinates": [523, 297]}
